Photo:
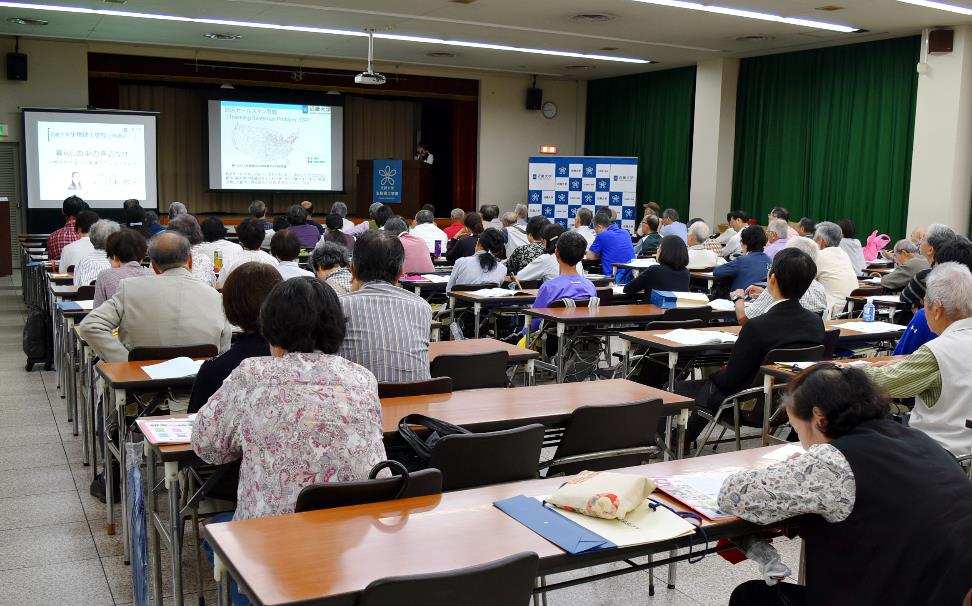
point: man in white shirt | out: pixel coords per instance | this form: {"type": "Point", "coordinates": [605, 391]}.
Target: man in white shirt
{"type": "Point", "coordinates": [514, 224]}
{"type": "Point", "coordinates": [82, 247]}
{"type": "Point", "coordinates": [584, 225]}
{"type": "Point", "coordinates": [423, 154]}
{"type": "Point", "coordinates": [341, 209]}
{"type": "Point", "coordinates": [426, 229]}
{"type": "Point", "coordinates": [699, 256]}
{"type": "Point", "coordinates": [285, 247]}
{"type": "Point", "coordinates": [738, 220]}
{"type": "Point", "coordinates": [89, 266]}
{"type": "Point", "coordinates": [834, 269]}
{"type": "Point", "coordinates": [250, 233]}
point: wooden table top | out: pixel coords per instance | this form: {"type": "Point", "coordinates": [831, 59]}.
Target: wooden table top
{"type": "Point", "coordinates": [547, 404]}
{"type": "Point", "coordinates": [518, 355]}
{"type": "Point", "coordinates": [782, 373]}
{"type": "Point", "coordinates": [129, 375]}
{"type": "Point", "coordinates": [602, 314]}
{"type": "Point", "coordinates": [525, 295]}
{"type": "Point", "coordinates": [65, 291]}
{"type": "Point", "coordinates": [334, 553]}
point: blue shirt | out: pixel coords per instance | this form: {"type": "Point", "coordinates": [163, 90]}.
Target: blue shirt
{"type": "Point", "coordinates": [745, 270]}
{"type": "Point", "coordinates": [614, 246]}
{"type": "Point", "coordinates": [916, 335]}
{"type": "Point", "coordinates": [570, 286]}
{"type": "Point", "coordinates": [675, 228]}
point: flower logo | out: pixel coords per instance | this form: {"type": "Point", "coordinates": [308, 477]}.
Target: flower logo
{"type": "Point", "coordinates": [387, 175]}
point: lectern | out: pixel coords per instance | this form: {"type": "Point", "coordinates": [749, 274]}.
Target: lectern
{"type": "Point", "coordinates": [416, 187]}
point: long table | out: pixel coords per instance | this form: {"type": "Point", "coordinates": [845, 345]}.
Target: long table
{"type": "Point", "coordinates": [327, 557]}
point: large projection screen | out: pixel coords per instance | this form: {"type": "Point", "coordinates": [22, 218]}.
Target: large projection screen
{"type": "Point", "coordinates": [104, 157]}
{"type": "Point", "coordinates": [256, 146]}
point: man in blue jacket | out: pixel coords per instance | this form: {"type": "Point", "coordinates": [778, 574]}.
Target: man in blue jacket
{"type": "Point", "coordinates": [750, 267]}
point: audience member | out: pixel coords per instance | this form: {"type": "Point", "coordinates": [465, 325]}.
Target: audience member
{"type": "Point", "coordinates": [783, 215]}
{"type": "Point", "coordinates": [387, 326]}
{"type": "Point", "coordinates": [515, 224]}
{"type": "Point", "coordinates": [738, 221]}
{"type": "Point", "coordinates": [131, 203]}
{"type": "Point", "coordinates": [751, 266]}
{"type": "Point", "coordinates": [584, 225]}
{"type": "Point", "coordinates": [285, 247]}
{"type": "Point", "coordinates": [546, 267]}
{"type": "Point", "coordinates": [125, 250]}
{"type": "Point", "coordinates": [341, 209]}
{"type": "Point", "coordinates": [214, 236]}
{"type": "Point", "coordinates": [490, 215]}
{"type": "Point", "coordinates": [135, 217]}
{"type": "Point", "coordinates": [457, 215]}
{"type": "Point", "coordinates": [60, 238]}
{"type": "Point", "coordinates": [258, 210]}
{"type": "Point", "coordinates": [777, 235]}
{"type": "Point", "coordinates": [176, 209]}
{"type": "Point", "coordinates": [426, 229]}
{"type": "Point", "coordinates": [852, 246]}
{"type": "Point", "coordinates": [252, 414]}
{"type": "Point", "coordinates": [309, 208]}
{"type": "Point", "coordinates": [170, 310]}
{"type": "Point", "coordinates": [417, 258]}
{"type": "Point", "coordinates": [524, 255]}
{"type": "Point", "coordinates": [671, 226]}
{"type": "Point", "coordinates": [699, 256]}
{"type": "Point", "coordinates": [612, 244]}
{"type": "Point", "coordinates": [846, 488]}
{"type": "Point", "coordinates": [787, 325]}
{"type": "Point", "coordinates": [306, 233]}
{"type": "Point", "coordinates": [335, 233]}
{"type": "Point", "coordinates": [834, 269]}
{"type": "Point", "coordinates": [243, 294]}
{"type": "Point", "coordinates": [152, 220]}
{"type": "Point", "coordinates": [936, 236]}
{"type": "Point", "coordinates": [815, 299]}
{"type": "Point", "coordinates": [670, 273]}
{"type": "Point", "coordinates": [649, 243]}
{"type": "Point", "coordinates": [907, 264]}
{"type": "Point", "coordinates": [463, 244]}
{"type": "Point", "coordinates": [202, 264]}
{"type": "Point", "coordinates": [483, 267]}
{"type": "Point", "coordinates": [81, 247]}
{"type": "Point", "coordinates": [250, 233]}
{"type": "Point", "coordinates": [331, 263]}
{"type": "Point", "coordinates": [806, 227]}
{"type": "Point", "coordinates": [569, 284]}
{"type": "Point", "coordinates": [89, 266]}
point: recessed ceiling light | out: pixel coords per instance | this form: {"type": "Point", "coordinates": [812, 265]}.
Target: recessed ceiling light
{"type": "Point", "coordinates": [316, 30]}
{"type": "Point", "coordinates": [829, 8]}
{"type": "Point", "coordinates": [592, 17]}
{"type": "Point", "coordinates": [753, 38]}
{"type": "Point", "coordinates": [579, 68]}
{"type": "Point", "coordinates": [441, 55]}
{"type": "Point", "coordinates": [952, 8]}
{"type": "Point", "coordinates": [736, 12]}
{"type": "Point", "coordinates": [26, 21]}
{"type": "Point", "coordinates": [219, 36]}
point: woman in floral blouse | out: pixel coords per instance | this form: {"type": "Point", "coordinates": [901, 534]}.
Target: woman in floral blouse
{"type": "Point", "coordinates": [302, 415]}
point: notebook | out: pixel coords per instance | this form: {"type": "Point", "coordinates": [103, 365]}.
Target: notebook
{"type": "Point", "coordinates": [699, 337]}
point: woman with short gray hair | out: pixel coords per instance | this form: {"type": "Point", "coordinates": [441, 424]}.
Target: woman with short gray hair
{"type": "Point", "coordinates": [202, 264]}
{"type": "Point", "coordinates": [330, 262]}
{"type": "Point", "coordinates": [87, 269]}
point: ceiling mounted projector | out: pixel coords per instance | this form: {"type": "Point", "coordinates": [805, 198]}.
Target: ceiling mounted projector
{"type": "Point", "coordinates": [370, 77]}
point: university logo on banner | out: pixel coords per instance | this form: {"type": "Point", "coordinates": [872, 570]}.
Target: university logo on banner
{"type": "Point", "coordinates": [387, 181]}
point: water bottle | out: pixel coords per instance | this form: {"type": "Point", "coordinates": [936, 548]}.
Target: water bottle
{"type": "Point", "coordinates": [868, 315]}
{"type": "Point", "coordinates": [438, 248]}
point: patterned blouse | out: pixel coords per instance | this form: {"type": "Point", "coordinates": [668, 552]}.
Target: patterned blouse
{"type": "Point", "coordinates": [522, 256]}
{"type": "Point", "coordinates": [819, 481]}
{"type": "Point", "coordinates": [108, 279]}
{"type": "Point", "coordinates": [340, 281]}
{"type": "Point", "coordinates": [295, 420]}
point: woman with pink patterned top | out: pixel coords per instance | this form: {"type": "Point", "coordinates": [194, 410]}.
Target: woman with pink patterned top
{"type": "Point", "coordinates": [302, 415]}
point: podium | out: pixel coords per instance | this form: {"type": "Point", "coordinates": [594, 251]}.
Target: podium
{"type": "Point", "coordinates": [417, 187]}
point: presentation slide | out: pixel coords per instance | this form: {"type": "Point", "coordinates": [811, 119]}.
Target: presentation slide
{"type": "Point", "coordinates": [101, 157]}
{"type": "Point", "coordinates": [275, 146]}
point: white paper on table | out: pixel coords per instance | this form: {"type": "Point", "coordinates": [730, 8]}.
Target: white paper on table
{"type": "Point", "coordinates": [641, 526]}
{"type": "Point", "coordinates": [879, 262]}
{"type": "Point", "coordinates": [640, 263]}
{"type": "Point", "coordinates": [86, 305]}
{"type": "Point", "coordinates": [785, 452]}
{"type": "Point", "coordinates": [436, 278]}
{"type": "Point", "coordinates": [173, 369]}
{"type": "Point", "coordinates": [700, 491]}
{"type": "Point", "coordinates": [493, 292]}
{"type": "Point", "coordinates": [722, 305]}
{"type": "Point", "coordinates": [872, 327]}
{"type": "Point", "coordinates": [888, 298]}
{"type": "Point", "coordinates": [698, 337]}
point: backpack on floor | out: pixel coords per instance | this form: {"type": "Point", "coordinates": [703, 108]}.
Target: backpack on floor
{"type": "Point", "coordinates": [38, 338]}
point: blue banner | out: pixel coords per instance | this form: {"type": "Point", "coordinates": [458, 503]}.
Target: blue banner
{"type": "Point", "coordinates": [387, 181]}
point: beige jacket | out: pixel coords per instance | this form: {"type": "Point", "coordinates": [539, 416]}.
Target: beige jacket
{"type": "Point", "coordinates": [167, 310]}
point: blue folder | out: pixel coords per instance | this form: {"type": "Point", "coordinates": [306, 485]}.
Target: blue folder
{"type": "Point", "coordinates": [549, 524]}
{"type": "Point", "coordinates": [69, 306]}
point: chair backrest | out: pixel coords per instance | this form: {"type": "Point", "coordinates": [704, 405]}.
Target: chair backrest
{"type": "Point", "coordinates": [527, 284]}
{"type": "Point", "coordinates": [479, 459]}
{"type": "Point", "coordinates": [139, 354]}
{"type": "Point", "coordinates": [508, 581]}
{"type": "Point", "coordinates": [415, 388]}
{"type": "Point", "coordinates": [800, 354]}
{"type": "Point", "coordinates": [830, 343]}
{"type": "Point", "coordinates": [85, 293]}
{"type": "Point", "coordinates": [472, 371]}
{"type": "Point", "coordinates": [340, 494]}
{"type": "Point", "coordinates": [672, 324]}
{"type": "Point", "coordinates": [605, 294]}
{"type": "Point", "coordinates": [600, 429]}
{"type": "Point", "coordinates": [577, 302]}
{"type": "Point", "coordinates": [703, 312]}
{"type": "Point", "coordinates": [867, 291]}
{"type": "Point", "coordinates": [70, 269]}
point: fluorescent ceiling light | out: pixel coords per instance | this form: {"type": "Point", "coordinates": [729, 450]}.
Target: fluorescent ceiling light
{"type": "Point", "coordinates": [736, 12]}
{"type": "Point", "coordinates": [314, 30]}
{"type": "Point", "coordinates": [940, 6]}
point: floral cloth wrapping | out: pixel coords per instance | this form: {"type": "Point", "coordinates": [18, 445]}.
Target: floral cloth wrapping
{"type": "Point", "coordinates": [602, 494]}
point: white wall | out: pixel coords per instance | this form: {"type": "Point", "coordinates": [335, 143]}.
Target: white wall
{"type": "Point", "coordinates": [713, 139]}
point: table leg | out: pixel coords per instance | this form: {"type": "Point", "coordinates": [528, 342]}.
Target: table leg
{"type": "Point", "coordinates": [106, 457]}
{"type": "Point", "coordinates": [175, 529]}
{"type": "Point", "coordinates": [477, 308]}
{"type": "Point", "coordinates": [120, 398]}
{"type": "Point", "coordinates": [561, 343]}
{"type": "Point", "coordinates": [82, 403]}
{"type": "Point", "coordinates": [531, 371]}
{"type": "Point", "coordinates": [221, 575]}
{"type": "Point", "coordinates": [626, 358]}
{"type": "Point", "coordinates": [151, 509]}
{"type": "Point", "coordinates": [73, 370]}
{"type": "Point", "coordinates": [767, 406]}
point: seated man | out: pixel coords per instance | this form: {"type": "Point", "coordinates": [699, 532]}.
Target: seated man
{"type": "Point", "coordinates": [776, 236]}
{"type": "Point", "coordinates": [939, 374]}
{"type": "Point", "coordinates": [89, 266]}
{"type": "Point", "coordinates": [168, 310]}
{"type": "Point", "coordinates": [285, 247]}
{"type": "Point", "coordinates": [457, 215]}
{"type": "Point", "coordinates": [907, 264]}
{"type": "Point", "coordinates": [584, 225]}
{"type": "Point", "coordinates": [612, 244]}
{"type": "Point", "coordinates": [815, 299]}
{"type": "Point", "coordinates": [251, 234]}
{"type": "Point", "coordinates": [417, 257]}
{"type": "Point", "coordinates": [80, 248]}
{"type": "Point", "coordinates": [569, 284]}
{"type": "Point", "coordinates": [671, 226]}
{"type": "Point", "coordinates": [60, 238]}
{"type": "Point", "coordinates": [748, 268]}
{"type": "Point", "coordinates": [834, 268]}
{"type": "Point", "coordinates": [387, 326]}
{"type": "Point", "coordinates": [732, 245]}
{"type": "Point", "coordinates": [700, 256]}
{"type": "Point", "coordinates": [787, 325]}
{"type": "Point", "coordinates": [426, 229]}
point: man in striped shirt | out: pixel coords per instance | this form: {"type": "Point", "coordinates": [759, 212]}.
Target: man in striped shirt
{"type": "Point", "coordinates": [387, 326]}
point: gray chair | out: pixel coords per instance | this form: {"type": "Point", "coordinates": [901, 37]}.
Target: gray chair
{"type": "Point", "coordinates": [480, 459]}
{"type": "Point", "coordinates": [472, 371]}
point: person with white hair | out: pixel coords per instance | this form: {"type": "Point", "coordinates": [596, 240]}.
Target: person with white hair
{"type": "Point", "coordinates": [671, 226]}
{"type": "Point", "coordinates": [365, 226]}
{"type": "Point", "coordinates": [457, 215]}
{"type": "Point", "coordinates": [777, 235]}
{"type": "Point", "coordinates": [176, 209]}
{"type": "Point", "coordinates": [700, 257]}
{"type": "Point", "coordinates": [584, 225]}
{"type": "Point", "coordinates": [935, 237]}
{"type": "Point", "coordinates": [341, 209]}
{"type": "Point", "coordinates": [814, 299]}
{"type": "Point", "coordinates": [834, 268]}
{"type": "Point", "coordinates": [426, 229]}
{"type": "Point", "coordinates": [907, 263]}
{"type": "Point", "coordinates": [939, 373]}
{"type": "Point", "coordinates": [88, 267]}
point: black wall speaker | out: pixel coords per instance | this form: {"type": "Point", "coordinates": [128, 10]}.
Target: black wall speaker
{"type": "Point", "coordinates": [940, 41]}
{"type": "Point", "coordinates": [16, 66]}
{"type": "Point", "coordinates": [534, 99]}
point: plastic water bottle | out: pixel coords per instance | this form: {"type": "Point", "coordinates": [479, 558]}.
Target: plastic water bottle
{"type": "Point", "coordinates": [438, 248]}
{"type": "Point", "coordinates": [868, 315]}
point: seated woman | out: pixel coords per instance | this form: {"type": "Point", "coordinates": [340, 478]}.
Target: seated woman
{"type": "Point", "coordinates": [864, 544]}
{"type": "Point", "coordinates": [483, 267]}
{"type": "Point", "coordinates": [214, 234]}
{"type": "Point", "coordinates": [546, 267]}
{"type": "Point", "coordinates": [463, 244]}
{"type": "Point", "coordinates": [243, 294]}
{"type": "Point", "coordinates": [331, 264]}
{"type": "Point", "coordinates": [671, 273]}
{"type": "Point", "coordinates": [285, 248]}
{"type": "Point", "coordinates": [125, 249]}
{"type": "Point", "coordinates": [334, 223]}
{"type": "Point", "coordinates": [302, 415]}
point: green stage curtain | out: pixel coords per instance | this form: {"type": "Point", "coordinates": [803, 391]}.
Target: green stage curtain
{"type": "Point", "coordinates": [650, 116]}
{"type": "Point", "coordinates": [828, 134]}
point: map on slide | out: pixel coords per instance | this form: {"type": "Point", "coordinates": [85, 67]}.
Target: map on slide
{"type": "Point", "coordinates": [275, 146]}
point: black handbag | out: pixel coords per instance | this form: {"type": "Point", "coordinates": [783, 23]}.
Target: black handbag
{"type": "Point", "coordinates": [421, 450]}
{"type": "Point", "coordinates": [397, 469]}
